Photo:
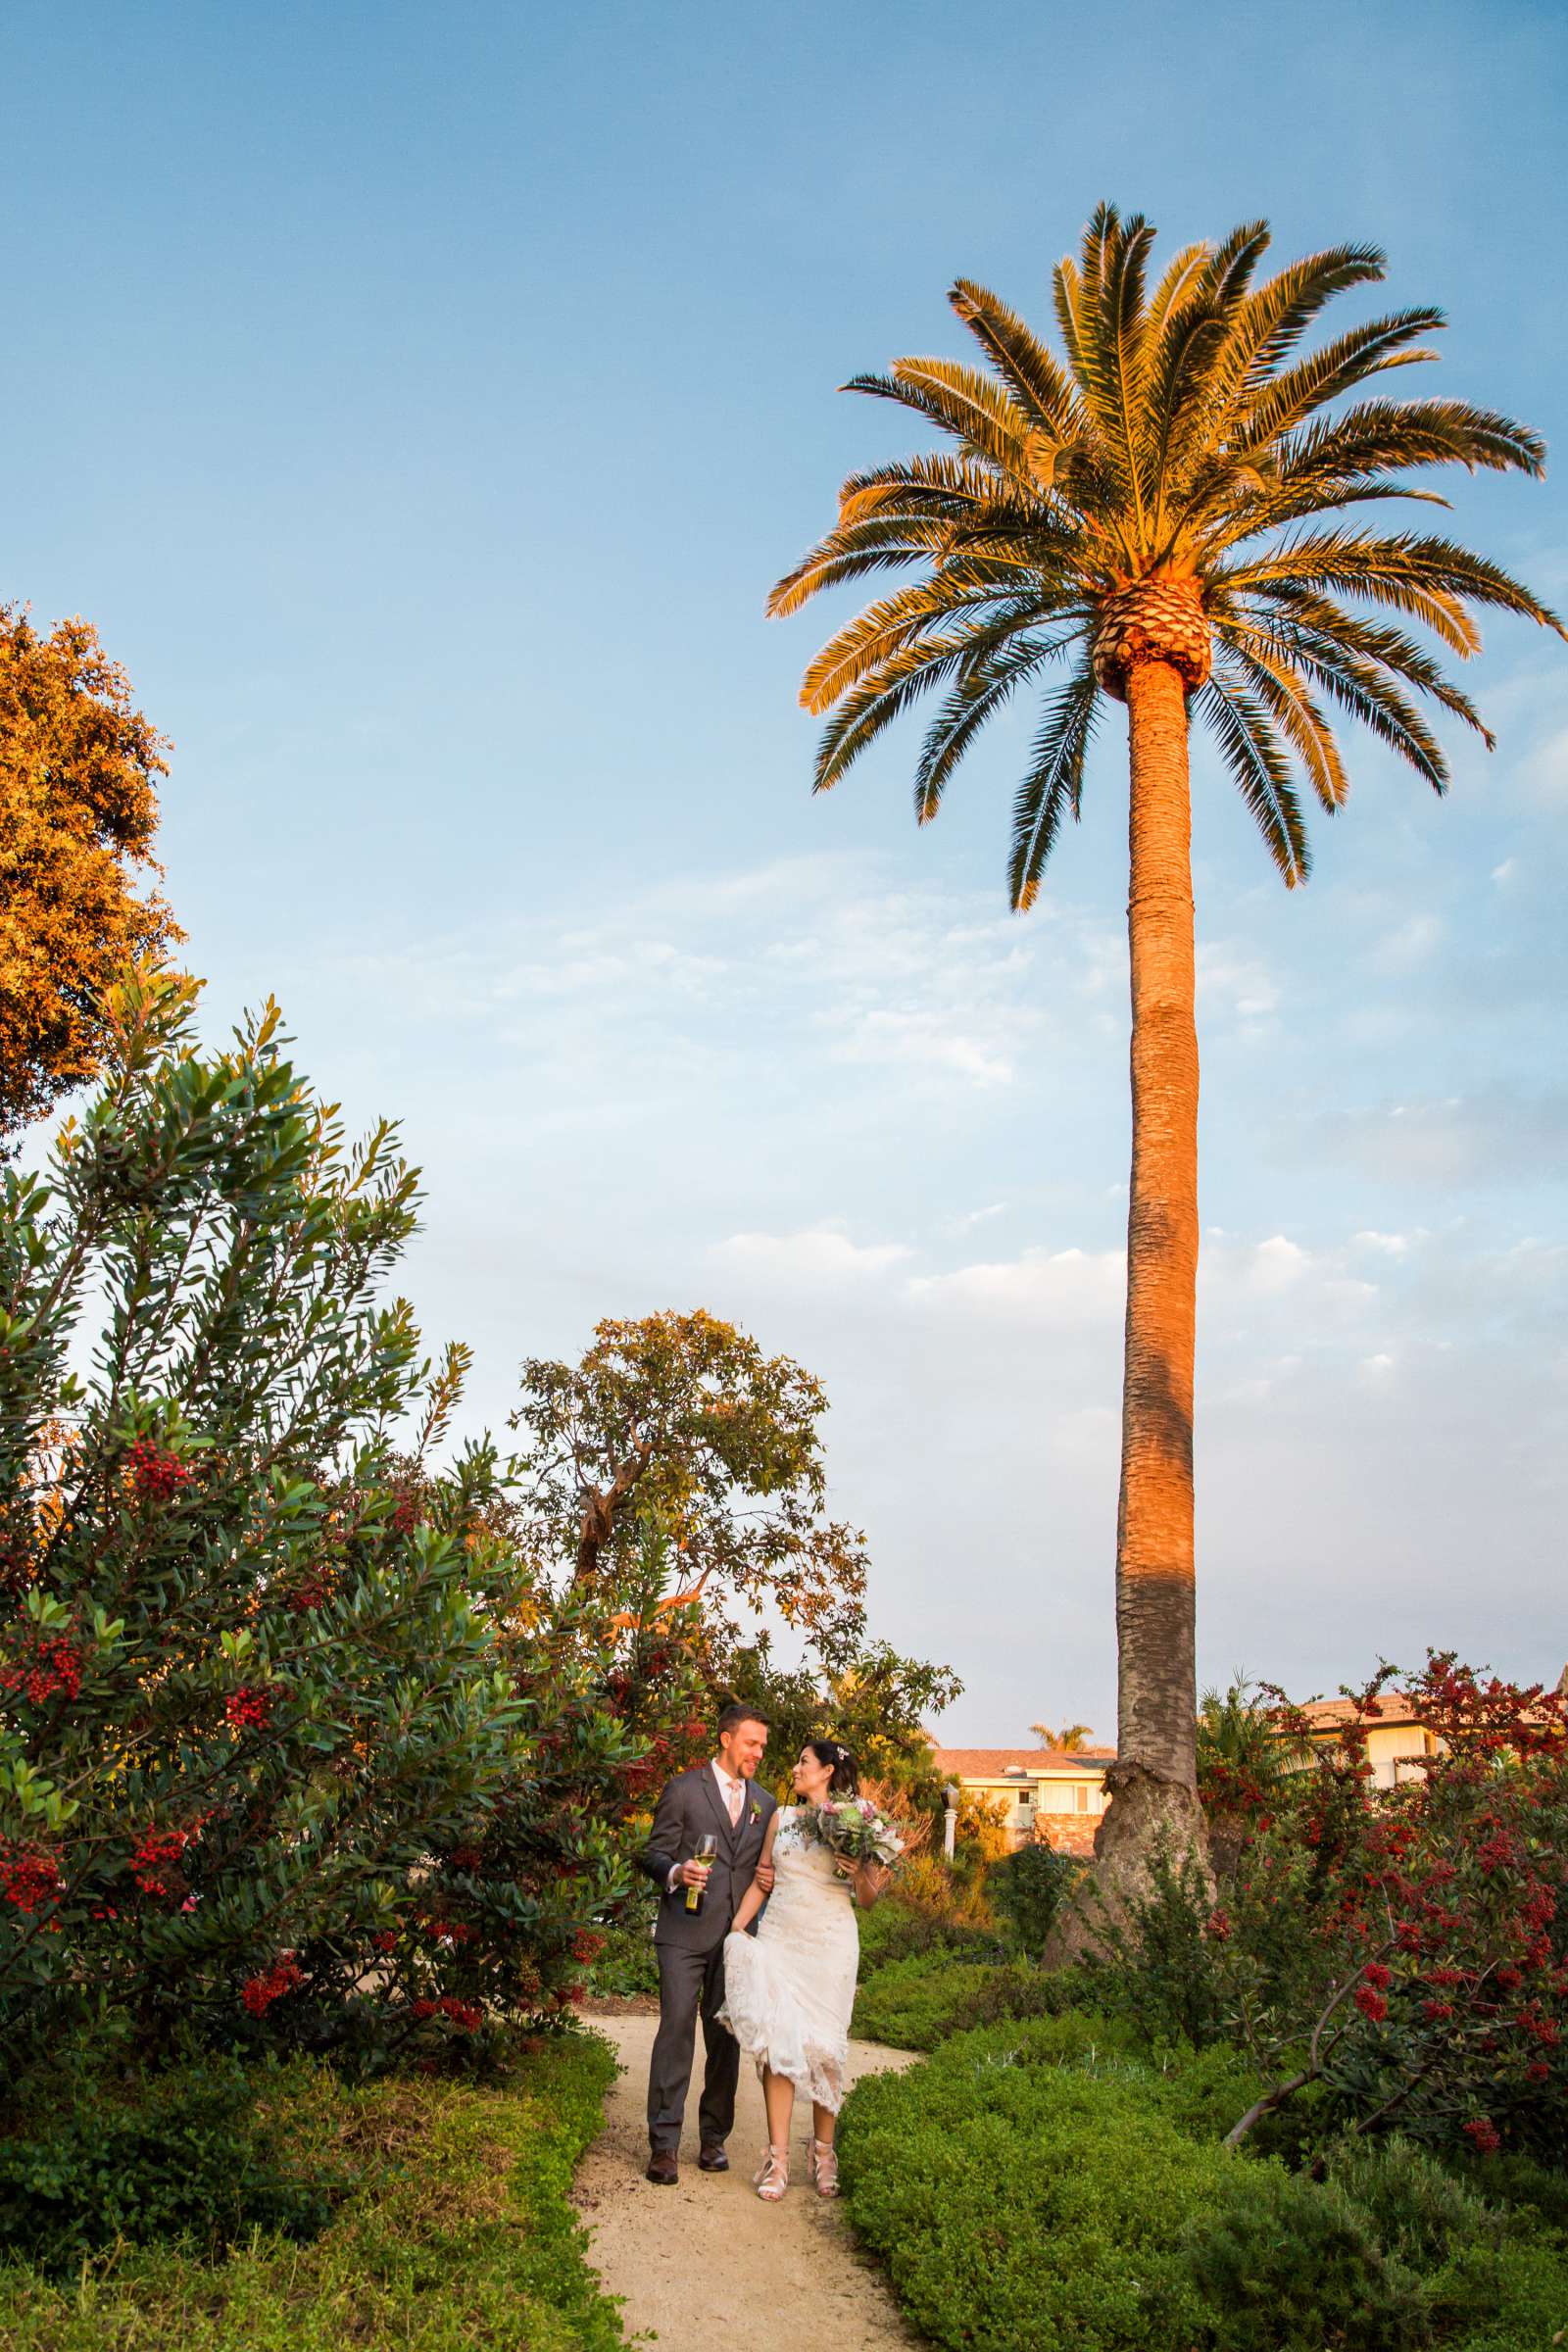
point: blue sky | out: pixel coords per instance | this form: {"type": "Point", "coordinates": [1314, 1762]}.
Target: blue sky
{"type": "Point", "coordinates": [421, 402]}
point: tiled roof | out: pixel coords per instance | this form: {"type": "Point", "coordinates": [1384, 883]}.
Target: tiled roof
{"type": "Point", "coordinates": [1392, 1707]}
{"type": "Point", "coordinates": [989, 1763]}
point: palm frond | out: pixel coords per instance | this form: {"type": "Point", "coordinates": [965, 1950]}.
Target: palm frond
{"type": "Point", "coordinates": [1300, 720]}
{"type": "Point", "coordinates": [1383, 567]}
{"type": "Point", "coordinates": [1245, 733]}
{"type": "Point", "coordinates": [1035, 376]}
{"type": "Point", "coordinates": [1319, 627]}
{"type": "Point", "coordinates": [882, 630]}
{"type": "Point", "coordinates": [962, 402]}
{"type": "Point", "coordinates": [981, 691]}
{"type": "Point", "coordinates": [1053, 786]}
{"type": "Point", "coordinates": [1324, 375]}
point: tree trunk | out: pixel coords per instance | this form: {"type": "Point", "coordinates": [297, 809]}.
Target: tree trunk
{"type": "Point", "coordinates": [1153, 1780]}
{"type": "Point", "coordinates": [1157, 1690]}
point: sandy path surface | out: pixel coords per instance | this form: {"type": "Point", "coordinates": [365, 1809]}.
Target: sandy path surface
{"type": "Point", "coordinates": [708, 2262]}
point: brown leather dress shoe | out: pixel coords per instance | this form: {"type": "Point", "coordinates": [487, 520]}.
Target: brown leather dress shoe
{"type": "Point", "coordinates": [662, 2170]}
{"type": "Point", "coordinates": [711, 2157]}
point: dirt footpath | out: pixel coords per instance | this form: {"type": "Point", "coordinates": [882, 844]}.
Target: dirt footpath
{"type": "Point", "coordinates": [708, 2262]}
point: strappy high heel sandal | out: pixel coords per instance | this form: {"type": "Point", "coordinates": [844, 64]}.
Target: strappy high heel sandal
{"type": "Point", "coordinates": [774, 2178]}
{"type": "Point", "coordinates": [823, 2168]}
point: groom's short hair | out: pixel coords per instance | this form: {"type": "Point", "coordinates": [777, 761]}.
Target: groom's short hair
{"type": "Point", "coordinates": [735, 1715]}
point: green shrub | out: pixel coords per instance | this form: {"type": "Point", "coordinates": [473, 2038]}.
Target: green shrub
{"type": "Point", "coordinates": [1287, 2265]}
{"type": "Point", "coordinates": [1509, 2298]}
{"type": "Point", "coordinates": [1049, 2186]}
{"type": "Point", "coordinates": [1027, 1889]}
{"type": "Point", "coordinates": [1023, 2203]}
{"type": "Point", "coordinates": [282, 1718]}
{"type": "Point", "coordinates": [626, 1964]}
{"type": "Point", "coordinates": [181, 2155]}
{"type": "Point", "coordinates": [457, 2231]}
{"type": "Point", "coordinates": [896, 1929]}
{"type": "Point", "coordinates": [915, 2003]}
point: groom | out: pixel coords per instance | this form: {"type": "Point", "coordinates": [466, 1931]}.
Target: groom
{"type": "Point", "coordinates": [721, 1800]}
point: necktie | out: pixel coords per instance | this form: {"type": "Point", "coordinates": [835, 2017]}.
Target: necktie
{"type": "Point", "coordinates": [732, 1792]}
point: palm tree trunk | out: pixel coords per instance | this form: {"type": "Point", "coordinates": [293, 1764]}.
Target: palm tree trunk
{"type": "Point", "coordinates": [1157, 1701]}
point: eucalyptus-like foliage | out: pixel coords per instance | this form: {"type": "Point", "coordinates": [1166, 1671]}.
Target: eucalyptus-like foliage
{"type": "Point", "coordinates": [1183, 435]}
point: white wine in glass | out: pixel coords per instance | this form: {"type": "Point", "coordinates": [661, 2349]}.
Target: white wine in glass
{"type": "Point", "coordinates": [706, 1848]}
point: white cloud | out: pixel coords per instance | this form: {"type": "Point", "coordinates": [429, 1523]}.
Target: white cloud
{"type": "Point", "coordinates": [1409, 945]}
{"type": "Point", "coordinates": [1233, 983]}
{"type": "Point", "coordinates": [822, 1254]}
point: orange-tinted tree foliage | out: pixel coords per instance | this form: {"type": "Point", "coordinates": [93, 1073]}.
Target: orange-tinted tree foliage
{"type": "Point", "coordinates": [77, 815]}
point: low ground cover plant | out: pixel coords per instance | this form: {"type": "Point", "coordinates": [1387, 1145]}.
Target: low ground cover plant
{"type": "Point", "coordinates": [921, 2000]}
{"type": "Point", "coordinates": [1041, 2185]}
{"type": "Point", "coordinates": [450, 2227]}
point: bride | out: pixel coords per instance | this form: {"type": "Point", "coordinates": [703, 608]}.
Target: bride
{"type": "Point", "coordinates": [789, 1988]}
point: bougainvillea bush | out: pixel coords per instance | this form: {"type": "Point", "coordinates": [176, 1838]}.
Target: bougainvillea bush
{"type": "Point", "coordinates": [293, 1747]}
{"type": "Point", "coordinates": [1401, 1955]}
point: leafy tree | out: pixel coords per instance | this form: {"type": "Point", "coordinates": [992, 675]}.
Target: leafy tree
{"type": "Point", "coordinates": [1161, 509]}
{"type": "Point", "coordinates": [289, 1746]}
{"type": "Point", "coordinates": [1071, 1739]}
{"type": "Point", "coordinates": [682, 1421]}
{"type": "Point", "coordinates": [877, 1704]}
{"type": "Point", "coordinates": [78, 812]}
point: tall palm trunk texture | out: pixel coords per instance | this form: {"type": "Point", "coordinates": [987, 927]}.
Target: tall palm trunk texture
{"type": "Point", "coordinates": [1157, 1705]}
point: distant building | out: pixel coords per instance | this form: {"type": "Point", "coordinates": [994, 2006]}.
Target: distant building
{"type": "Point", "coordinates": [1396, 1740]}
{"type": "Point", "coordinates": [1055, 1794]}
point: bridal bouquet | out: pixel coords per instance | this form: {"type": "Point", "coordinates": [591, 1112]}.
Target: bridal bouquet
{"type": "Point", "coordinates": [853, 1829]}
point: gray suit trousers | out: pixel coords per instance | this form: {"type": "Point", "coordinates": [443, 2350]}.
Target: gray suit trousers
{"type": "Point", "coordinates": [690, 1984]}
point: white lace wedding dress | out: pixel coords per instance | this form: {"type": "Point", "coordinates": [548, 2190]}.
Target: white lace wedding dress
{"type": "Point", "coordinates": [789, 1988]}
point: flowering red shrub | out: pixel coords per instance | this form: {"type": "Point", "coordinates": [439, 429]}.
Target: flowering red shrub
{"type": "Point", "coordinates": [208, 1524]}
{"type": "Point", "coordinates": [1407, 1947]}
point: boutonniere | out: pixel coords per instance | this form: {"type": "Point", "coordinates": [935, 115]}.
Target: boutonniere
{"type": "Point", "coordinates": [757, 1814]}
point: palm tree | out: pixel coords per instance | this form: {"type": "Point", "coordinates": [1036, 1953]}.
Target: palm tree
{"type": "Point", "coordinates": [1161, 511]}
{"type": "Point", "coordinates": [1071, 1737]}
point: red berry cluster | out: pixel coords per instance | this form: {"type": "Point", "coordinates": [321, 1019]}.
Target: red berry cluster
{"type": "Point", "coordinates": [447, 1931]}
{"type": "Point", "coordinates": [249, 1710]}
{"type": "Point", "coordinates": [466, 2015]}
{"type": "Point", "coordinates": [313, 1591]}
{"type": "Point", "coordinates": [156, 1474]}
{"type": "Point", "coordinates": [53, 1664]}
{"type": "Point", "coordinates": [154, 1862]}
{"type": "Point", "coordinates": [408, 1514]}
{"type": "Point", "coordinates": [1483, 2134]}
{"type": "Point", "coordinates": [28, 1879]}
{"type": "Point", "coordinates": [586, 1946]}
{"type": "Point", "coordinates": [262, 1991]}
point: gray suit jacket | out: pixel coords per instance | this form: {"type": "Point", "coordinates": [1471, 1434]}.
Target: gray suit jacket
{"type": "Point", "coordinates": [690, 1806]}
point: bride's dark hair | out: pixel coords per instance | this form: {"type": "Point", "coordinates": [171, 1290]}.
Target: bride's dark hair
{"type": "Point", "coordinates": [845, 1781]}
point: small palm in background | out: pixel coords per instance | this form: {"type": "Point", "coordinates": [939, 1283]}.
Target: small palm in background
{"type": "Point", "coordinates": [1071, 1739]}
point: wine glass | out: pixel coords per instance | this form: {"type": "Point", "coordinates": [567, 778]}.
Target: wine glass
{"type": "Point", "coordinates": [706, 1848]}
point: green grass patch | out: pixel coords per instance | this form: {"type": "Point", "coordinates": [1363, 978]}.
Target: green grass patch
{"type": "Point", "coordinates": [454, 2233]}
